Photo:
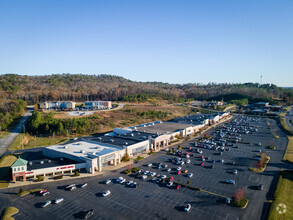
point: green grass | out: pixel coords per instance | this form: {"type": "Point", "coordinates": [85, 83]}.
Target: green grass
{"type": "Point", "coordinates": [139, 158]}
{"type": "Point", "coordinates": [25, 141]}
{"type": "Point", "coordinates": [3, 134]}
{"type": "Point", "coordinates": [285, 126]}
{"type": "Point", "coordinates": [283, 195]}
{"type": "Point", "coordinates": [8, 213]}
{"type": "Point", "coordinates": [289, 152]}
{"type": "Point", "coordinates": [5, 163]}
{"type": "Point", "coordinates": [24, 193]}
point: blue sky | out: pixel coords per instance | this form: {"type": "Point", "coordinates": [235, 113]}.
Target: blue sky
{"type": "Point", "coordinates": [144, 40]}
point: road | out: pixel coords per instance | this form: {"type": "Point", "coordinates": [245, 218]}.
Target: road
{"type": "Point", "coordinates": [7, 141]}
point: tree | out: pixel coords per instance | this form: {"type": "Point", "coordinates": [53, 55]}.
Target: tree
{"type": "Point", "coordinates": [239, 195]}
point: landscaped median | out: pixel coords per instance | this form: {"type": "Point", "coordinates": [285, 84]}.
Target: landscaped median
{"type": "Point", "coordinates": [261, 165]}
{"type": "Point", "coordinates": [282, 206]}
{"type": "Point", "coordinates": [8, 213]}
{"type": "Point", "coordinates": [289, 152]}
{"type": "Point", "coordinates": [23, 192]}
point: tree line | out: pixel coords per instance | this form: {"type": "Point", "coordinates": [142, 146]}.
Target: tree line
{"type": "Point", "coordinates": [49, 125]}
{"type": "Point", "coordinates": [10, 111]}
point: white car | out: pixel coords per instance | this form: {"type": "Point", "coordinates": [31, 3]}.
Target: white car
{"type": "Point", "coordinates": [129, 182]}
{"type": "Point", "coordinates": [70, 185]}
{"type": "Point", "coordinates": [144, 177]}
{"type": "Point", "coordinates": [187, 208]}
{"type": "Point", "coordinates": [149, 165]}
{"type": "Point", "coordinates": [83, 185]}
{"type": "Point", "coordinates": [190, 175]}
{"type": "Point", "coordinates": [45, 193]}
{"type": "Point", "coordinates": [106, 193]}
{"type": "Point", "coordinates": [168, 170]}
{"type": "Point", "coordinates": [169, 184]}
{"type": "Point", "coordinates": [178, 168]}
{"type": "Point", "coordinates": [108, 181]}
{"type": "Point", "coordinates": [163, 176]}
{"type": "Point", "coordinates": [187, 161]}
{"type": "Point", "coordinates": [46, 204]}
{"type": "Point", "coordinates": [58, 200]}
{"type": "Point", "coordinates": [235, 172]}
{"type": "Point", "coordinates": [72, 188]}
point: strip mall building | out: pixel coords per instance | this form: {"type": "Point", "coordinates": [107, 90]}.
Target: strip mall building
{"type": "Point", "coordinates": [92, 154]}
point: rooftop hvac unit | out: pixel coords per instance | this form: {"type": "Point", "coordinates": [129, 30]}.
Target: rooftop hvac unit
{"type": "Point", "coordinates": [61, 159]}
{"type": "Point", "coordinates": [126, 143]}
{"type": "Point", "coordinates": [82, 151]}
{"type": "Point", "coordinates": [132, 135]}
{"type": "Point", "coordinates": [144, 137]}
{"type": "Point", "coordinates": [66, 147]}
{"type": "Point", "coordinates": [41, 162]}
{"type": "Point", "coordinates": [30, 163]}
{"type": "Point", "coordinates": [112, 140]}
{"type": "Point", "coordinates": [49, 161]}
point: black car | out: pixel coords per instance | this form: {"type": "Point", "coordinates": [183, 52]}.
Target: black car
{"type": "Point", "coordinates": [260, 187]}
{"type": "Point", "coordinates": [87, 214]}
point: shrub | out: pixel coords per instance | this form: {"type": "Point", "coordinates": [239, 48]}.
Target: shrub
{"type": "Point", "coordinates": [272, 147]}
{"type": "Point", "coordinates": [240, 203]}
{"type": "Point", "coordinates": [76, 173]}
{"type": "Point", "coordinates": [135, 169]}
{"type": "Point", "coordinates": [152, 152]}
{"type": "Point", "coordinates": [39, 179]}
{"type": "Point", "coordinates": [139, 158]}
{"type": "Point", "coordinates": [58, 177]}
{"type": "Point", "coordinates": [179, 180]}
{"type": "Point", "coordinates": [128, 171]}
{"type": "Point", "coordinates": [188, 182]}
{"type": "Point", "coordinates": [21, 190]}
{"type": "Point", "coordinates": [125, 158]}
{"type": "Point", "coordinates": [177, 136]}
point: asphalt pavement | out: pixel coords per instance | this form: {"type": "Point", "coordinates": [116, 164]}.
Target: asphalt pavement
{"type": "Point", "coordinates": [7, 141]}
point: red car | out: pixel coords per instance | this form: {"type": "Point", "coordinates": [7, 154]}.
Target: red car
{"type": "Point", "coordinates": [201, 164]}
{"type": "Point", "coordinates": [179, 172]}
{"type": "Point", "coordinates": [202, 157]}
{"type": "Point", "coordinates": [171, 178]}
{"type": "Point", "coordinates": [178, 186]}
{"type": "Point", "coordinates": [187, 153]}
{"type": "Point", "coordinates": [43, 191]}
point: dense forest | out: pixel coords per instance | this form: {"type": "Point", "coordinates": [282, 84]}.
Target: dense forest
{"type": "Point", "coordinates": [78, 87]}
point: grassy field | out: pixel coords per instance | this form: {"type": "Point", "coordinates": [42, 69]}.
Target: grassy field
{"type": "Point", "coordinates": [289, 152]}
{"type": "Point", "coordinates": [283, 195]}
{"type": "Point", "coordinates": [5, 163]}
{"type": "Point", "coordinates": [25, 141]}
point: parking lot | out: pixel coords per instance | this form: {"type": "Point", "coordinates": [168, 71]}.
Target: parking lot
{"type": "Point", "coordinates": [157, 201]}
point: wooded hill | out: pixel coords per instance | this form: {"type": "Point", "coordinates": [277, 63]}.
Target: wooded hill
{"type": "Point", "coordinates": [78, 87]}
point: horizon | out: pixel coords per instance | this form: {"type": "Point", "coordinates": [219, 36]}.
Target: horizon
{"type": "Point", "coordinates": [84, 74]}
{"type": "Point", "coordinates": [164, 41]}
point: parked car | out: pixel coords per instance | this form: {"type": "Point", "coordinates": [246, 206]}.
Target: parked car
{"type": "Point", "coordinates": [201, 164]}
{"type": "Point", "coordinates": [228, 200]}
{"type": "Point", "coordinates": [83, 185]}
{"type": "Point", "coordinates": [45, 193]}
{"type": "Point", "coordinates": [149, 165]}
{"type": "Point", "coordinates": [230, 181]}
{"type": "Point", "coordinates": [178, 168]}
{"type": "Point", "coordinates": [144, 177]}
{"type": "Point", "coordinates": [106, 193]}
{"type": "Point", "coordinates": [87, 214]}
{"type": "Point", "coordinates": [45, 204]}
{"type": "Point", "coordinates": [72, 188]}
{"type": "Point", "coordinates": [235, 172]}
{"type": "Point", "coordinates": [187, 208]}
{"type": "Point", "coordinates": [260, 187]}
{"type": "Point", "coordinates": [56, 201]}
{"type": "Point", "coordinates": [190, 175]}
{"type": "Point", "coordinates": [169, 184]}
{"type": "Point", "coordinates": [178, 186]}
{"type": "Point", "coordinates": [185, 171]}
{"type": "Point", "coordinates": [69, 185]}
{"type": "Point", "coordinates": [168, 170]}
{"type": "Point", "coordinates": [108, 181]}
{"type": "Point", "coordinates": [178, 172]}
